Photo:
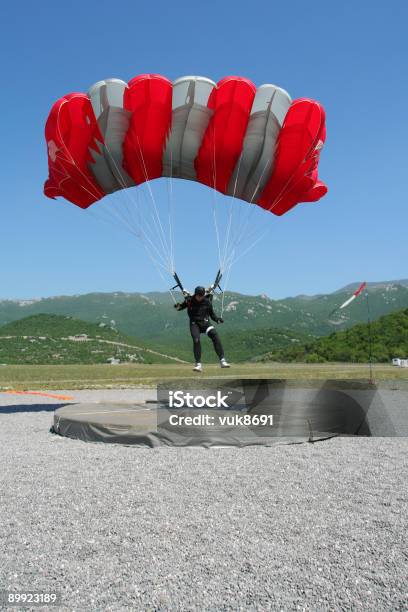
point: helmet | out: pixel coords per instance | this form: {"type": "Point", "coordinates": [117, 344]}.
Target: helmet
{"type": "Point", "coordinates": [199, 290]}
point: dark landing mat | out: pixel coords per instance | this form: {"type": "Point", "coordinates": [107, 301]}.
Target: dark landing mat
{"type": "Point", "coordinates": [276, 412]}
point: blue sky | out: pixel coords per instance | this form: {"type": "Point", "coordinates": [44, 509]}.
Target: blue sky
{"type": "Point", "coordinates": [351, 56]}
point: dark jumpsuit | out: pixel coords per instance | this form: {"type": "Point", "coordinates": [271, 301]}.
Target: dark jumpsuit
{"type": "Point", "coordinates": [199, 314]}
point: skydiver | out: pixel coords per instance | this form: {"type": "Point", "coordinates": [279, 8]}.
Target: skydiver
{"type": "Point", "coordinates": [200, 310]}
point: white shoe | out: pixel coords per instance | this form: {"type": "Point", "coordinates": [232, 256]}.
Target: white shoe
{"type": "Point", "coordinates": [198, 367]}
{"type": "Point", "coordinates": [224, 364]}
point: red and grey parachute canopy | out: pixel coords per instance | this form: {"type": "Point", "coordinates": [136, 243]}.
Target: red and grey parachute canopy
{"type": "Point", "coordinates": [253, 144]}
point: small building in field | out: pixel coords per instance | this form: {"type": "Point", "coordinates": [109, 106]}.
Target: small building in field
{"type": "Point", "coordinates": [113, 361]}
{"type": "Point", "coordinates": [78, 338]}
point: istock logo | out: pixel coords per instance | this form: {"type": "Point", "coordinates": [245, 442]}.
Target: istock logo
{"type": "Point", "coordinates": [180, 399]}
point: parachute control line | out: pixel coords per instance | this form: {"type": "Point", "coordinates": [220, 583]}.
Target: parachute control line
{"type": "Point", "coordinates": [209, 292]}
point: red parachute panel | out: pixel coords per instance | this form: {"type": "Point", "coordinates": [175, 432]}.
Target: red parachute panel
{"type": "Point", "coordinates": [294, 178]}
{"type": "Point", "coordinates": [223, 140]}
{"type": "Point", "coordinates": [149, 99]}
{"type": "Point", "coordinates": [71, 131]}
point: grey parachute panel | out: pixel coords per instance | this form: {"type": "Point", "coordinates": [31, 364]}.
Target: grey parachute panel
{"type": "Point", "coordinates": [255, 164]}
{"type": "Point", "coordinates": [190, 118]}
{"type": "Point", "coordinates": [113, 120]}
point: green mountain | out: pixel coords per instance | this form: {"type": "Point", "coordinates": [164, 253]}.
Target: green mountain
{"type": "Point", "coordinates": [152, 316]}
{"type": "Point", "coordinates": [374, 285]}
{"type": "Point", "coordinates": [389, 338]}
{"type": "Point", "coordinates": [55, 339]}
{"type": "Point", "coordinates": [247, 345]}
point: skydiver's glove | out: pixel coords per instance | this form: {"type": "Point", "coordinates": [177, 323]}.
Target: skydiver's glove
{"type": "Point", "coordinates": [220, 320]}
{"type": "Point", "coordinates": [177, 306]}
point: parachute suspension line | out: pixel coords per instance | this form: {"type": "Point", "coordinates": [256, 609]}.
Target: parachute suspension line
{"type": "Point", "coordinates": [102, 216]}
{"type": "Point", "coordinates": [242, 223]}
{"type": "Point", "coordinates": [233, 259]}
{"type": "Point", "coordinates": [170, 214]}
{"type": "Point", "coordinates": [270, 209]}
{"type": "Point", "coordinates": [156, 212]}
{"type": "Point", "coordinates": [251, 212]}
{"type": "Point", "coordinates": [125, 222]}
{"type": "Point", "coordinates": [148, 232]}
{"type": "Point", "coordinates": [217, 233]}
{"type": "Point", "coordinates": [282, 191]}
{"type": "Point", "coordinates": [66, 174]}
{"type": "Point", "coordinates": [226, 267]}
{"type": "Point", "coordinates": [162, 235]}
{"type": "Point", "coordinates": [147, 240]}
{"type": "Point", "coordinates": [158, 262]}
{"type": "Point", "coordinates": [245, 224]}
{"type": "Point", "coordinates": [230, 216]}
{"type": "Point", "coordinates": [249, 248]}
{"type": "Point", "coordinates": [239, 212]}
{"type": "Point", "coordinates": [242, 230]}
{"type": "Point", "coordinates": [125, 196]}
{"type": "Point", "coordinates": [72, 161]}
{"type": "Point", "coordinates": [169, 290]}
{"type": "Point", "coordinates": [142, 234]}
{"type": "Point", "coordinates": [222, 251]}
{"type": "Point", "coordinates": [227, 277]}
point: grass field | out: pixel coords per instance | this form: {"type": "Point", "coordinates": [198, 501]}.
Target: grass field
{"type": "Point", "coordinates": [34, 378]}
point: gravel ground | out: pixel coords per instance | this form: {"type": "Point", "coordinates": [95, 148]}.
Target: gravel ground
{"type": "Point", "coordinates": [299, 527]}
{"type": "Point", "coordinates": [83, 396]}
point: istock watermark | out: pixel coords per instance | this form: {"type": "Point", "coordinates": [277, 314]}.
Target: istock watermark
{"type": "Point", "coordinates": [220, 419]}
{"type": "Point", "coordinates": [182, 399]}
{"type": "Point", "coordinates": [211, 412]}
{"type": "Point", "coordinates": [241, 412]}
